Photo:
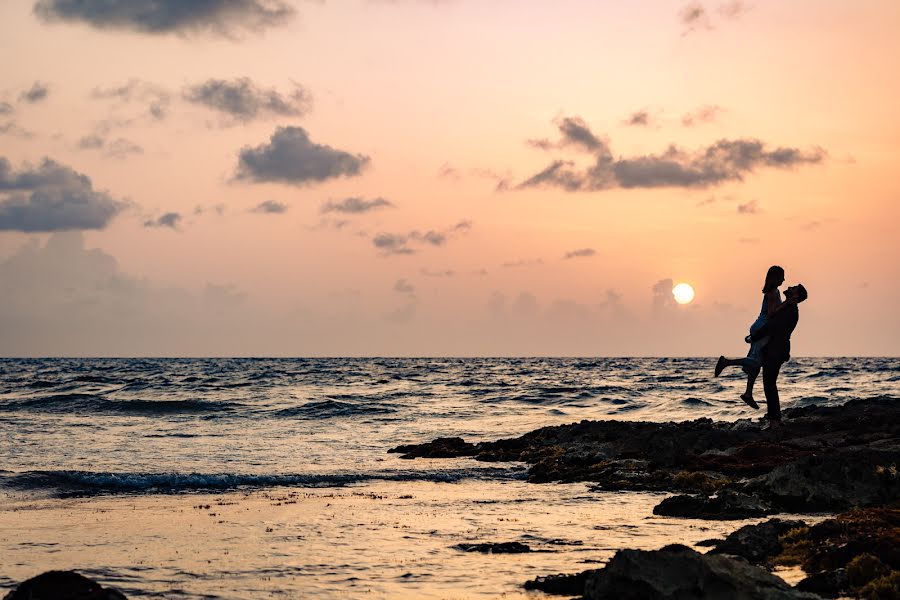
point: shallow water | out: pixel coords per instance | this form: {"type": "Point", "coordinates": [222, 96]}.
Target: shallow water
{"type": "Point", "coordinates": [105, 462]}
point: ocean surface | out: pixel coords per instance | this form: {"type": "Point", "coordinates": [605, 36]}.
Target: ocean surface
{"type": "Point", "coordinates": [249, 478]}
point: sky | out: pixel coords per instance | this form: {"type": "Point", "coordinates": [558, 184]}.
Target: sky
{"type": "Point", "coordinates": [445, 177]}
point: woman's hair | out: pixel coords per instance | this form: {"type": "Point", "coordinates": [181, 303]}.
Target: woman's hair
{"type": "Point", "coordinates": [772, 278]}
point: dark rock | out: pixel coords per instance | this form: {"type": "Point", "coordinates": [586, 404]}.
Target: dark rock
{"type": "Point", "coordinates": [835, 481]}
{"type": "Point", "coordinates": [562, 585]}
{"type": "Point", "coordinates": [448, 447]}
{"type": "Point", "coordinates": [679, 573]}
{"type": "Point", "coordinates": [495, 548]}
{"type": "Point", "coordinates": [710, 542]}
{"type": "Point", "coordinates": [830, 584]}
{"type": "Point", "coordinates": [62, 585]}
{"type": "Point", "coordinates": [726, 505]}
{"type": "Point", "coordinates": [757, 543]}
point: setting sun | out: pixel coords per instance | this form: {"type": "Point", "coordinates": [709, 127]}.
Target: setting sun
{"type": "Point", "coordinates": [683, 293]}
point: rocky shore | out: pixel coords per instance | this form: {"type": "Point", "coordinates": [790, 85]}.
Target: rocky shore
{"type": "Point", "coordinates": [841, 459]}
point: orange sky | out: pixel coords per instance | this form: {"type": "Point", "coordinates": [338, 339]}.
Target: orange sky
{"type": "Point", "coordinates": [439, 109]}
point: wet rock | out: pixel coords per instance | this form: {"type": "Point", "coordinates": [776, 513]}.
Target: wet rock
{"type": "Point", "coordinates": [447, 447]}
{"type": "Point", "coordinates": [835, 481]}
{"type": "Point", "coordinates": [757, 543]}
{"type": "Point", "coordinates": [495, 548]}
{"type": "Point", "coordinates": [726, 505]}
{"type": "Point", "coordinates": [562, 585]}
{"type": "Point", "coordinates": [677, 572]}
{"type": "Point", "coordinates": [62, 585]}
{"type": "Point", "coordinates": [829, 584]}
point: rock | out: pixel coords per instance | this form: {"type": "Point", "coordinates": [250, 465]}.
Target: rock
{"type": "Point", "coordinates": [447, 447]}
{"type": "Point", "coordinates": [835, 481]}
{"type": "Point", "coordinates": [678, 573]}
{"type": "Point", "coordinates": [62, 585]}
{"type": "Point", "coordinates": [562, 585]}
{"type": "Point", "coordinates": [495, 548]}
{"type": "Point", "coordinates": [830, 584]}
{"type": "Point", "coordinates": [726, 505]}
{"type": "Point", "coordinates": [757, 543]}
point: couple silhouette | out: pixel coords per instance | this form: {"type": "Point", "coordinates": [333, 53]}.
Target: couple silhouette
{"type": "Point", "coordinates": [770, 343]}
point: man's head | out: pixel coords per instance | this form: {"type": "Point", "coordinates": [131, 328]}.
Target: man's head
{"type": "Point", "coordinates": [796, 292]}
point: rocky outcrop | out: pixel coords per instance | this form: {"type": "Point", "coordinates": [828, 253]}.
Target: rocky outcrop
{"type": "Point", "coordinates": [495, 548]}
{"type": "Point", "coordinates": [62, 585]}
{"type": "Point", "coordinates": [679, 573]}
{"type": "Point", "coordinates": [561, 584]}
{"type": "Point", "coordinates": [824, 458]}
{"type": "Point", "coordinates": [759, 543]}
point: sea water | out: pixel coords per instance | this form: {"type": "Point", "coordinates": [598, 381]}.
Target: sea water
{"type": "Point", "coordinates": [249, 478]}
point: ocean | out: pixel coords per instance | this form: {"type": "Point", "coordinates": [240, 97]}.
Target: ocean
{"type": "Point", "coordinates": [251, 478]}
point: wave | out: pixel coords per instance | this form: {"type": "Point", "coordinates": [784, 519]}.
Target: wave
{"type": "Point", "coordinates": [90, 483]}
{"type": "Point", "coordinates": [333, 408]}
{"type": "Point", "coordinates": [92, 403]}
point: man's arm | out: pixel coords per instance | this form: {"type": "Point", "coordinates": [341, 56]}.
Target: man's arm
{"type": "Point", "coordinates": [777, 321]}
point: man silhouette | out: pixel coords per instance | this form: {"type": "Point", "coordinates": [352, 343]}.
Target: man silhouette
{"type": "Point", "coordinates": [778, 350]}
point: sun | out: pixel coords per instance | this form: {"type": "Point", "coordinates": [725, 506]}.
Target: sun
{"type": "Point", "coordinates": [683, 293]}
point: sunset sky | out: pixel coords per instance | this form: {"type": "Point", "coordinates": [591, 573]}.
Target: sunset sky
{"type": "Point", "coordinates": [445, 177]}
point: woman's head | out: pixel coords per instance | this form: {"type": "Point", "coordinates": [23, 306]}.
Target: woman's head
{"type": "Point", "coordinates": [774, 278]}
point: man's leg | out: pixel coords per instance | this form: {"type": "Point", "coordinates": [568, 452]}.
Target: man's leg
{"type": "Point", "coordinates": [770, 376]}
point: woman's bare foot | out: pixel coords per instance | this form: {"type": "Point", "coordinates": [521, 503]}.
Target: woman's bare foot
{"type": "Point", "coordinates": [720, 365]}
{"type": "Point", "coordinates": [749, 401]}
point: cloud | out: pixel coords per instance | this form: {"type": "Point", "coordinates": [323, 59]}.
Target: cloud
{"type": "Point", "coordinates": [402, 286]}
{"type": "Point", "coordinates": [734, 9]}
{"type": "Point", "coordinates": [694, 16]}
{"type": "Point", "coordinates": [270, 207]}
{"type": "Point", "coordinates": [6, 108]}
{"type": "Point", "coordinates": [52, 197]}
{"type": "Point", "coordinates": [291, 157]}
{"type": "Point", "coordinates": [640, 118]}
{"type": "Point", "coordinates": [13, 128]}
{"type": "Point", "coordinates": [574, 132]}
{"type": "Point", "coordinates": [438, 273]}
{"type": "Point", "coordinates": [705, 114]}
{"type": "Point", "coordinates": [749, 208]}
{"type": "Point", "coordinates": [220, 17]}
{"type": "Point", "coordinates": [37, 93]}
{"type": "Point", "coordinates": [662, 294]}
{"type": "Point", "coordinates": [155, 98]}
{"type": "Point", "coordinates": [400, 243]}
{"type": "Point", "coordinates": [522, 262]}
{"type": "Point", "coordinates": [355, 206]}
{"type": "Point", "coordinates": [721, 162]}
{"type": "Point", "coordinates": [580, 253]}
{"type": "Point", "coordinates": [243, 101]}
{"type": "Point", "coordinates": [118, 148]}
{"type": "Point", "coordinates": [169, 219]}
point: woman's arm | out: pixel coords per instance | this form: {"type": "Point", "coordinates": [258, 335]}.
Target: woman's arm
{"type": "Point", "coordinates": [772, 304]}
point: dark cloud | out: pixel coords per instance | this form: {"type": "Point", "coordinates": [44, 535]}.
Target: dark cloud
{"type": "Point", "coordinates": [37, 93]}
{"type": "Point", "coordinates": [169, 219]}
{"type": "Point", "coordinates": [52, 197]}
{"type": "Point", "coordinates": [243, 101]}
{"type": "Point", "coordinates": [118, 148]}
{"type": "Point", "coordinates": [270, 207]}
{"type": "Point", "coordinates": [749, 208]}
{"type": "Point", "coordinates": [723, 161]}
{"type": "Point", "coordinates": [291, 157]}
{"type": "Point", "coordinates": [662, 294]}
{"type": "Point", "coordinates": [222, 17]}
{"type": "Point", "coordinates": [449, 172]}
{"type": "Point", "coordinates": [400, 243]}
{"type": "Point", "coordinates": [574, 132]}
{"type": "Point", "coordinates": [6, 108]}
{"type": "Point", "coordinates": [705, 114]}
{"type": "Point", "coordinates": [580, 253]}
{"type": "Point", "coordinates": [402, 286]}
{"type": "Point", "coordinates": [640, 118]}
{"type": "Point", "coordinates": [354, 205]}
